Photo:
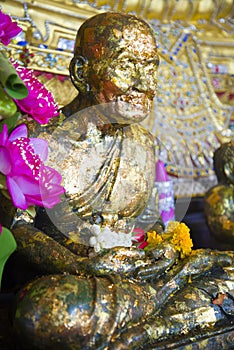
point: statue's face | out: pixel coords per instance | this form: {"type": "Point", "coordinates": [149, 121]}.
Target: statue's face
{"type": "Point", "coordinates": [124, 75]}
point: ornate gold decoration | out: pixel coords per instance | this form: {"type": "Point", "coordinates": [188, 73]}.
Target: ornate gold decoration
{"type": "Point", "coordinates": [55, 84]}
{"type": "Point", "coordinates": [170, 10]}
{"type": "Point", "coordinates": [41, 59]}
{"type": "Point", "coordinates": [187, 113]}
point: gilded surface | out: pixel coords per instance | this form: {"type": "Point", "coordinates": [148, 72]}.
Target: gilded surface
{"type": "Point", "coordinates": [121, 298]}
{"type": "Point", "coordinates": [171, 10]}
{"type": "Point", "coordinates": [107, 174]}
{"type": "Point", "coordinates": [196, 49]}
{"type": "Point", "coordinates": [219, 200]}
{"type": "Point", "coordinates": [105, 157]}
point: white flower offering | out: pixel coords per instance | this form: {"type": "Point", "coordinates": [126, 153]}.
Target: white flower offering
{"type": "Point", "coordinates": [104, 238]}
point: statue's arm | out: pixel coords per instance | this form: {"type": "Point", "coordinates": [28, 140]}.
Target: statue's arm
{"type": "Point", "coordinates": [50, 256]}
{"type": "Point", "coordinates": [44, 253]}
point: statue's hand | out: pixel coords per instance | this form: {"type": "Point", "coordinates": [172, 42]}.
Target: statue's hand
{"type": "Point", "coordinates": [133, 262]}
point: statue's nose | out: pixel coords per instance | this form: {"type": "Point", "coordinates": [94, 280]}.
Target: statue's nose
{"type": "Point", "coordinates": [147, 82]}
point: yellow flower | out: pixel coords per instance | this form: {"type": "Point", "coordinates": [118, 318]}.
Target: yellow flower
{"type": "Point", "coordinates": [177, 233]}
{"type": "Point", "coordinates": [154, 238]}
{"type": "Point", "coordinates": [172, 225]}
{"type": "Point", "coordinates": [181, 238]}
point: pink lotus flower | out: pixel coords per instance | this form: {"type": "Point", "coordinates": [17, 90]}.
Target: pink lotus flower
{"type": "Point", "coordinates": [8, 29]}
{"type": "Point", "coordinates": [28, 180]}
{"type": "Point", "coordinates": [39, 104]}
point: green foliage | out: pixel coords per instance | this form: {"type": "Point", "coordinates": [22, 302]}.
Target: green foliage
{"type": "Point", "coordinates": [7, 247]}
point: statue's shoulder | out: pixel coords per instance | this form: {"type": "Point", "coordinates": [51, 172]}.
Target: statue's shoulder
{"type": "Point", "coordinates": [140, 134]}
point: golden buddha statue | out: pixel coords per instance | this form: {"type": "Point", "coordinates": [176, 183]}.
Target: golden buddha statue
{"type": "Point", "coordinates": [105, 156]}
{"type": "Point", "coordinates": [119, 298]}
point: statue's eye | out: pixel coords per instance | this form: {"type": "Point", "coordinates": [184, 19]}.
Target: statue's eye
{"type": "Point", "coordinates": [126, 65]}
{"type": "Point", "coordinates": [125, 70]}
{"type": "Point", "coordinates": [150, 68]}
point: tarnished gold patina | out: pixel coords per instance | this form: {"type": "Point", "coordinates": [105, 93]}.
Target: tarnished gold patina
{"type": "Point", "coordinates": [106, 159]}
{"type": "Point", "coordinates": [219, 200]}
{"type": "Point", "coordinates": [121, 298]}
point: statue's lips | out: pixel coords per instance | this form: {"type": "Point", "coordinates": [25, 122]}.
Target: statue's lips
{"type": "Point", "coordinates": [131, 107]}
{"type": "Point", "coordinates": [137, 100]}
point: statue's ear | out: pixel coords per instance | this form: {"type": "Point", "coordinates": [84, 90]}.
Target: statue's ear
{"type": "Point", "coordinates": [76, 72]}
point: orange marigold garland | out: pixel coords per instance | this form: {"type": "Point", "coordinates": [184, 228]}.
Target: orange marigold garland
{"type": "Point", "coordinates": [181, 239]}
{"type": "Point", "coordinates": [177, 233]}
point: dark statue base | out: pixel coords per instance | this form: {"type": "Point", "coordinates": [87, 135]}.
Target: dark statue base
{"type": "Point", "coordinates": [18, 272]}
{"type": "Point", "coordinates": [217, 339]}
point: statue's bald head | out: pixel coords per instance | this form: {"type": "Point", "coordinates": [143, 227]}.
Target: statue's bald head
{"type": "Point", "coordinates": [104, 37]}
{"type": "Point", "coordinates": [108, 33]}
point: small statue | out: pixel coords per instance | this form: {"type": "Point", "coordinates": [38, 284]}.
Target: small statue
{"type": "Point", "coordinates": [219, 200]}
{"type": "Point", "coordinates": [120, 298]}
